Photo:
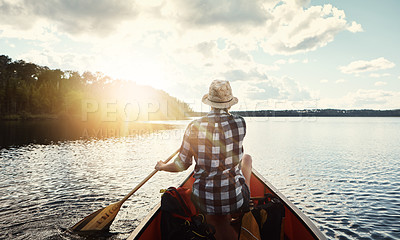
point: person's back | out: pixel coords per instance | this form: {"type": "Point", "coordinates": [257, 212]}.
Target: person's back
{"type": "Point", "coordinates": [215, 143]}
{"type": "Point", "coordinates": [222, 172]}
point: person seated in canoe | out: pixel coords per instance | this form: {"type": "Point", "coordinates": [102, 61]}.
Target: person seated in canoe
{"type": "Point", "coordinates": [222, 171]}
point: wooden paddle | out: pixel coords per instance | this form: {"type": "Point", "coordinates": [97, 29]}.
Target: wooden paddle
{"type": "Point", "coordinates": [103, 218]}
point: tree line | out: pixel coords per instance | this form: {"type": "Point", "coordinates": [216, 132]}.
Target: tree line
{"type": "Point", "coordinates": [27, 89]}
{"type": "Point", "coordinates": [320, 113]}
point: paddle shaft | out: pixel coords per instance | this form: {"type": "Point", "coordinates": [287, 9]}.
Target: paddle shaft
{"type": "Point", "coordinates": [103, 218]}
{"type": "Point", "coordinates": [146, 179]}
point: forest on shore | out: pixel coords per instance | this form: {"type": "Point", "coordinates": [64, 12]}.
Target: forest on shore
{"type": "Point", "coordinates": [320, 113]}
{"type": "Point", "coordinates": [30, 91]}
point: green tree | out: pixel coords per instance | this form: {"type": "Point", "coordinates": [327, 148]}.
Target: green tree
{"type": "Point", "coordinates": [27, 88]}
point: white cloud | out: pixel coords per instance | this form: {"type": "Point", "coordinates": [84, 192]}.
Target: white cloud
{"type": "Point", "coordinates": [272, 93]}
{"type": "Point", "coordinates": [377, 75]}
{"type": "Point", "coordinates": [364, 99]}
{"type": "Point", "coordinates": [213, 38]}
{"type": "Point", "coordinates": [355, 27]}
{"type": "Point", "coordinates": [280, 61]}
{"type": "Point", "coordinates": [283, 27]}
{"type": "Point", "coordinates": [380, 83]}
{"type": "Point", "coordinates": [282, 88]}
{"type": "Point", "coordinates": [237, 74]}
{"type": "Point", "coordinates": [11, 45]}
{"type": "Point", "coordinates": [187, 42]}
{"type": "Point", "coordinates": [324, 81]}
{"type": "Point", "coordinates": [234, 15]}
{"type": "Point", "coordinates": [41, 31]}
{"type": "Point", "coordinates": [207, 48]}
{"type": "Point", "coordinates": [75, 62]}
{"type": "Point", "coordinates": [288, 61]}
{"type": "Point", "coordinates": [360, 66]}
{"type": "Point", "coordinates": [295, 30]}
{"type": "Point", "coordinates": [238, 54]}
{"type": "Point", "coordinates": [375, 99]}
{"type": "Point", "coordinates": [340, 81]}
{"type": "Point", "coordinates": [298, 3]}
{"type": "Point", "coordinates": [74, 17]}
{"type": "Point", "coordinates": [292, 90]}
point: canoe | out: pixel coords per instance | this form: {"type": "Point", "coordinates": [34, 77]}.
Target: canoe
{"type": "Point", "coordinates": [296, 224]}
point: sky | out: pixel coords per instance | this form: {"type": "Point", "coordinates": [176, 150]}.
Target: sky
{"type": "Point", "coordinates": [290, 54]}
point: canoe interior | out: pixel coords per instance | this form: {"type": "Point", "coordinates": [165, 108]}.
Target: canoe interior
{"type": "Point", "coordinates": [296, 224]}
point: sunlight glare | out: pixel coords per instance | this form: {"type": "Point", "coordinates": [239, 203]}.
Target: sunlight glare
{"type": "Point", "coordinates": [141, 69]}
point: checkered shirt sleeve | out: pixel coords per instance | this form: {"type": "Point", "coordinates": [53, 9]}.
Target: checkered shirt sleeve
{"type": "Point", "coordinates": [184, 158]}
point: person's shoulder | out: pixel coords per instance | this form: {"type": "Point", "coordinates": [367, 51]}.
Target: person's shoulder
{"type": "Point", "coordinates": [194, 123]}
{"type": "Point", "coordinates": [203, 120]}
{"type": "Point", "coordinates": [197, 121]}
{"type": "Point", "coordinates": [238, 118]}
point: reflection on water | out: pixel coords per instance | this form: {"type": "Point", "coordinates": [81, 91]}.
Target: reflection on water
{"type": "Point", "coordinates": [16, 133]}
{"type": "Point", "coordinates": [48, 188]}
{"type": "Point", "coordinates": [342, 172]}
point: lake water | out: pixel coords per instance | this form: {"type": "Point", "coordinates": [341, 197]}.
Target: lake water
{"type": "Point", "coordinates": [343, 173]}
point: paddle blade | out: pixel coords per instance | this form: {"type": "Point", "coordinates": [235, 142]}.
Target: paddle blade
{"type": "Point", "coordinates": [99, 220]}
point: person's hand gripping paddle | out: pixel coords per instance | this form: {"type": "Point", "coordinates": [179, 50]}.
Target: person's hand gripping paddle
{"type": "Point", "coordinates": [103, 218]}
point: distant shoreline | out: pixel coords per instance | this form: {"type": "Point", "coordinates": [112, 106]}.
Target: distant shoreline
{"type": "Point", "coordinates": [260, 113]}
{"type": "Point", "coordinates": [18, 117]}
{"type": "Point", "coordinates": [312, 113]}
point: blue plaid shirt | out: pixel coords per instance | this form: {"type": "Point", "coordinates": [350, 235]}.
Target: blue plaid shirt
{"type": "Point", "coordinates": [216, 143]}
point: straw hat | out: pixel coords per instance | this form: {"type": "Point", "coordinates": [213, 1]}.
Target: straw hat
{"type": "Point", "coordinates": [220, 95]}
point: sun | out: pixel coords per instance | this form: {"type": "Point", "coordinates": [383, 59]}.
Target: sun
{"type": "Point", "coordinates": [144, 70]}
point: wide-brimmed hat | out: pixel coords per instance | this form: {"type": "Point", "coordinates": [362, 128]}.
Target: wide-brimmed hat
{"type": "Point", "coordinates": [220, 95]}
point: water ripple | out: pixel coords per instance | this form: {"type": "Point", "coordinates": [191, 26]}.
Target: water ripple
{"type": "Point", "coordinates": [342, 176]}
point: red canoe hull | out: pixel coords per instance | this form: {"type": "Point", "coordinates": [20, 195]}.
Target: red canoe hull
{"type": "Point", "coordinates": [296, 224]}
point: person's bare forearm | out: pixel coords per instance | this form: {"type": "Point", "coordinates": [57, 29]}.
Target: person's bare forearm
{"type": "Point", "coordinates": [169, 167]}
